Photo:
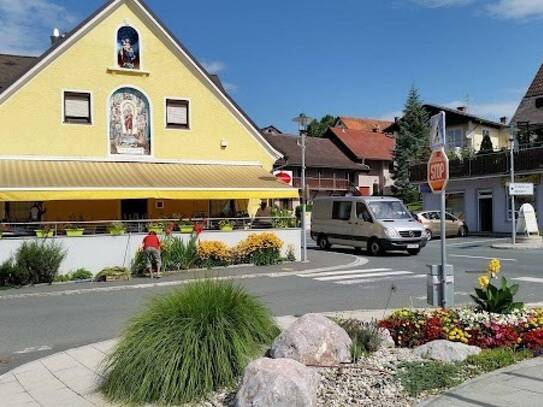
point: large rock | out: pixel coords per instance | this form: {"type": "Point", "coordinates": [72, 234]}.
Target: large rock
{"type": "Point", "coordinates": [278, 383]}
{"type": "Point", "coordinates": [313, 340]}
{"type": "Point", "coordinates": [386, 338]}
{"type": "Point", "coordinates": [446, 351]}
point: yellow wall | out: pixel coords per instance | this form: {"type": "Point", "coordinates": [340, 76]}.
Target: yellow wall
{"type": "Point", "coordinates": [32, 117]}
{"type": "Point", "coordinates": [185, 209]}
{"type": "Point", "coordinates": [82, 210]}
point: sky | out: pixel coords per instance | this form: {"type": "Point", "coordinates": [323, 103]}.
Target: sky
{"type": "Point", "coordinates": [341, 57]}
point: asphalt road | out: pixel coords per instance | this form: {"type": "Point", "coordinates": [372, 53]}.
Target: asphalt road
{"type": "Point", "coordinates": [32, 327]}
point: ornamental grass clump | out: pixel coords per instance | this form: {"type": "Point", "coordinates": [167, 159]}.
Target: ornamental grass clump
{"type": "Point", "coordinates": [187, 344]}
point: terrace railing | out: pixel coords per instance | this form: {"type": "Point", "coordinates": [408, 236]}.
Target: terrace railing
{"type": "Point", "coordinates": [496, 163]}
{"type": "Point", "coordinates": [334, 184]}
{"type": "Point", "coordinates": [117, 227]}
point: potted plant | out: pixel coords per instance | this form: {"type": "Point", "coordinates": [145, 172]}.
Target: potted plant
{"type": "Point", "coordinates": [158, 228]}
{"type": "Point", "coordinates": [226, 225]}
{"type": "Point", "coordinates": [45, 231]}
{"type": "Point", "coordinates": [74, 230]}
{"type": "Point", "coordinates": [116, 229]}
{"type": "Point", "coordinates": [186, 226]}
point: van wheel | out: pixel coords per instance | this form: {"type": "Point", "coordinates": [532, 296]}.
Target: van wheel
{"type": "Point", "coordinates": [463, 231]}
{"type": "Point", "coordinates": [413, 252]}
{"type": "Point", "coordinates": [374, 247]}
{"type": "Point", "coordinates": [323, 242]}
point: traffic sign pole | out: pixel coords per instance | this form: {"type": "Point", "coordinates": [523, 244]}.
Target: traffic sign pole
{"type": "Point", "coordinates": [443, 250]}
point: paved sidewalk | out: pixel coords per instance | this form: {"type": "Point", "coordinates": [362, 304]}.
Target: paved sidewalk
{"type": "Point", "coordinates": [520, 385]}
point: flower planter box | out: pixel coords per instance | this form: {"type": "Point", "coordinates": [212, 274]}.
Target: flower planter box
{"type": "Point", "coordinates": [157, 230]}
{"type": "Point", "coordinates": [44, 233]}
{"type": "Point", "coordinates": [117, 232]}
{"type": "Point", "coordinates": [75, 232]}
{"type": "Point", "coordinates": [186, 229]}
{"type": "Point", "coordinates": [226, 228]}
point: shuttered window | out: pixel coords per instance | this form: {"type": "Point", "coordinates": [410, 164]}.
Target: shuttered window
{"type": "Point", "coordinates": [77, 107]}
{"type": "Point", "coordinates": [177, 113]}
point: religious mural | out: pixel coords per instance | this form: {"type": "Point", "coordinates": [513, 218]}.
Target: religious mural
{"type": "Point", "coordinates": [130, 123]}
{"type": "Point", "coordinates": [128, 48]}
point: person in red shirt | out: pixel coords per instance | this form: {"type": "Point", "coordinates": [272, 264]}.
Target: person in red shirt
{"type": "Point", "coordinates": [151, 248]}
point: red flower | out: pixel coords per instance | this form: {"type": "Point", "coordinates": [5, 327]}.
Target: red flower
{"type": "Point", "coordinates": [533, 339]}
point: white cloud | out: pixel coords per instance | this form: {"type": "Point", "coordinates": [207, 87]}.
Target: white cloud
{"type": "Point", "coordinates": [442, 3]}
{"type": "Point", "coordinates": [390, 116]}
{"type": "Point", "coordinates": [516, 8]}
{"type": "Point", "coordinates": [213, 67]}
{"type": "Point", "coordinates": [25, 25]}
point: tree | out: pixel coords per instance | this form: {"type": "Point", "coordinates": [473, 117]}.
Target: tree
{"type": "Point", "coordinates": [317, 128]}
{"type": "Point", "coordinates": [412, 144]}
{"type": "Point", "coordinates": [486, 145]}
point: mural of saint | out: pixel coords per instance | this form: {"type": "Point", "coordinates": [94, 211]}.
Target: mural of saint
{"type": "Point", "coordinates": [128, 51]}
{"type": "Point", "coordinates": [129, 127]}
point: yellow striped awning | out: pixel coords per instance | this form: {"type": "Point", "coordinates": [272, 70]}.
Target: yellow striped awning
{"type": "Point", "coordinates": [47, 180]}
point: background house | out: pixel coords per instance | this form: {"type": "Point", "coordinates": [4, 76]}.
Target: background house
{"type": "Point", "coordinates": [329, 170]}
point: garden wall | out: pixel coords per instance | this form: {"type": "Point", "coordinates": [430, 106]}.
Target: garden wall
{"type": "Point", "coordinates": [97, 252]}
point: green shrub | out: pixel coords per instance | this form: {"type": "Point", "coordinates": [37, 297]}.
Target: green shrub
{"type": "Point", "coordinates": [116, 271]}
{"type": "Point", "coordinates": [365, 336]}
{"type": "Point", "coordinates": [492, 359]}
{"type": "Point", "coordinates": [12, 275]}
{"type": "Point", "coordinates": [430, 376]}
{"type": "Point", "coordinates": [188, 344]}
{"type": "Point", "coordinates": [81, 274]}
{"type": "Point", "coordinates": [40, 259]}
{"type": "Point", "coordinates": [178, 254]}
{"type": "Point", "coordinates": [62, 278]}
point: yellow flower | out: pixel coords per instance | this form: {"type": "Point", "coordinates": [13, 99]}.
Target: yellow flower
{"type": "Point", "coordinates": [494, 267]}
{"type": "Point", "coordinates": [484, 281]}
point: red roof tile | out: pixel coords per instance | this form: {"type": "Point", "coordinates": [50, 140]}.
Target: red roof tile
{"type": "Point", "coordinates": [368, 145]}
{"type": "Point", "coordinates": [356, 123]}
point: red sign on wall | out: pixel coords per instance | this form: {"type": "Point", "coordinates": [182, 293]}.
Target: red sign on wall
{"type": "Point", "coordinates": [284, 176]}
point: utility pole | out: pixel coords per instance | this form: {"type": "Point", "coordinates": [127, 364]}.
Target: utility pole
{"type": "Point", "coordinates": [512, 181]}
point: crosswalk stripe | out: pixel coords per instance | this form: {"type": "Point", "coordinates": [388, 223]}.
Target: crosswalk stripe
{"type": "Point", "coordinates": [334, 273]}
{"type": "Point", "coordinates": [388, 273]}
{"type": "Point", "coordinates": [529, 279]}
{"type": "Point", "coordinates": [374, 280]}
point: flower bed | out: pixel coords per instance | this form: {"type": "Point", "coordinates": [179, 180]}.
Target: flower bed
{"type": "Point", "coordinates": [523, 328]}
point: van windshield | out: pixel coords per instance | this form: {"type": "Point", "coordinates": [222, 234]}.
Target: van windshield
{"type": "Point", "coordinates": [389, 210]}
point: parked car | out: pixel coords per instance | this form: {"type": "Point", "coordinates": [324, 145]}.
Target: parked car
{"type": "Point", "coordinates": [431, 220]}
{"type": "Point", "coordinates": [376, 224]}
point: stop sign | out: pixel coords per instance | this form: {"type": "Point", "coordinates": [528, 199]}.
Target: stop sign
{"type": "Point", "coordinates": [438, 171]}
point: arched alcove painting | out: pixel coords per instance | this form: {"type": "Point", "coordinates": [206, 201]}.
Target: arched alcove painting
{"type": "Point", "coordinates": [128, 48]}
{"type": "Point", "coordinates": [130, 123]}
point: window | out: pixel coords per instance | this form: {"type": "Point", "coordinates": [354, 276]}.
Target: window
{"type": "Point", "coordinates": [519, 201]}
{"type": "Point", "coordinates": [362, 212]}
{"type": "Point", "coordinates": [449, 217]}
{"type": "Point", "coordinates": [77, 107]}
{"type": "Point", "coordinates": [389, 210]}
{"type": "Point", "coordinates": [341, 210]}
{"type": "Point", "coordinates": [455, 138]}
{"type": "Point", "coordinates": [177, 113]}
{"type": "Point", "coordinates": [455, 204]}
{"type": "Point", "coordinates": [539, 103]}
{"type": "Point", "coordinates": [486, 133]}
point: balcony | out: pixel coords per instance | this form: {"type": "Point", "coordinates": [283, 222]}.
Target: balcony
{"type": "Point", "coordinates": [328, 184]}
{"type": "Point", "coordinates": [526, 160]}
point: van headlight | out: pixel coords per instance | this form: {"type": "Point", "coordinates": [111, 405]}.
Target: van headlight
{"type": "Point", "coordinates": [391, 232]}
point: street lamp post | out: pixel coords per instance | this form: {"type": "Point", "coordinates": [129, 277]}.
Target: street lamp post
{"type": "Point", "coordinates": [303, 121]}
{"type": "Point", "coordinates": [512, 181]}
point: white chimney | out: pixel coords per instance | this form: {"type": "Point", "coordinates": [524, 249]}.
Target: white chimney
{"type": "Point", "coordinates": [55, 36]}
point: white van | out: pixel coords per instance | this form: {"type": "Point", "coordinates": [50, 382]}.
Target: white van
{"type": "Point", "coordinates": [377, 224]}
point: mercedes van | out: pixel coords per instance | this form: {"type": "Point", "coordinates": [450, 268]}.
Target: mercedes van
{"type": "Point", "coordinates": [377, 224]}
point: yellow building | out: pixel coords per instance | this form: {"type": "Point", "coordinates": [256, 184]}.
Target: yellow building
{"type": "Point", "coordinates": [118, 120]}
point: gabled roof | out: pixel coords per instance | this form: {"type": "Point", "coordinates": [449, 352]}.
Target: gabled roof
{"type": "Point", "coordinates": [359, 123]}
{"type": "Point", "coordinates": [320, 153]}
{"type": "Point", "coordinates": [453, 117]}
{"type": "Point", "coordinates": [365, 145]}
{"type": "Point", "coordinates": [527, 110]}
{"type": "Point", "coordinates": [24, 75]}
{"type": "Point", "coordinates": [12, 67]}
{"type": "Point", "coordinates": [271, 130]}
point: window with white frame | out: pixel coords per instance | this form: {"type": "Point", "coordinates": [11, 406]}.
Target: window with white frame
{"type": "Point", "coordinates": [455, 138]}
{"type": "Point", "coordinates": [519, 201]}
{"type": "Point", "coordinates": [77, 107]}
{"type": "Point", "coordinates": [177, 113]}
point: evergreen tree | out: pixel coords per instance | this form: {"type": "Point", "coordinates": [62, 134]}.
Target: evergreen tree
{"type": "Point", "coordinates": [412, 144]}
{"type": "Point", "coordinates": [317, 128]}
{"type": "Point", "coordinates": [486, 144]}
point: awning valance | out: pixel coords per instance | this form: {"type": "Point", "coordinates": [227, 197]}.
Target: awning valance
{"type": "Point", "coordinates": [44, 180]}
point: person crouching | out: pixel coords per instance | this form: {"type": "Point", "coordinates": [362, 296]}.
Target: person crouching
{"type": "Point", "coordinates": [151, 248]}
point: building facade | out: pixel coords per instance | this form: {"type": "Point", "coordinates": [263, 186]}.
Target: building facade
{"type": "Point", "coordinates": [118, 120]}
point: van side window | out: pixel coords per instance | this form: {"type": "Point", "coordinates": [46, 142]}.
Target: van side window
{"type": "Point", "coordinates": [362, 212]}
{"type": "Point", "coordinates": [341, 210]}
